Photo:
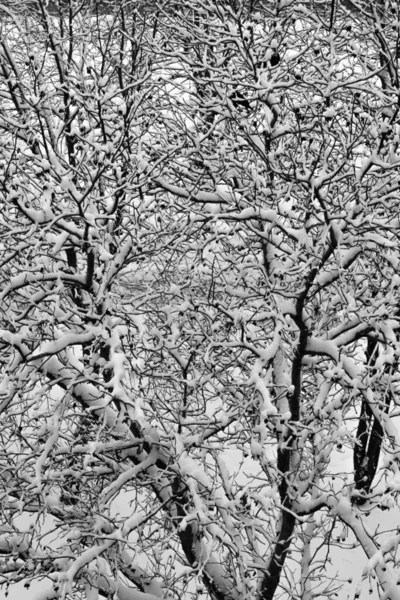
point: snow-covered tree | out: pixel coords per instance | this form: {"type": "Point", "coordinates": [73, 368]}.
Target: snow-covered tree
{"type": "Point", "coordinates": [199, 298]}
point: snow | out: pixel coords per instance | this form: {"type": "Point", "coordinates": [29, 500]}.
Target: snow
{"type": "Point", "coordinates": [322, 347]}
{"type": "Point", "coordinates": [201, 197]}
{"type": "Point", "coordinates": [13, 543]}
{"type": "Point", "coordinates": [201, 258]}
